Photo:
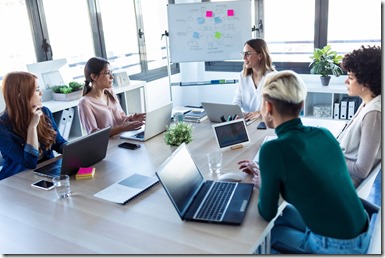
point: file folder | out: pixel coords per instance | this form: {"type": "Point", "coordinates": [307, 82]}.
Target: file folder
{"type": "Point", "coordinates": [344, 108]}
{"type": "Point", "coordinates": [65, 122]}
{"type": "Point", "coordinates": [353, 105]}
{"type": "Point", "coordinates": [336, 112]}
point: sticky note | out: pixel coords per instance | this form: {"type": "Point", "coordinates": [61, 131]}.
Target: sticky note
{"type": "Point", "coordinates": [218, 35]}
{"type": "Point", "coordinates": [209, 13]}
{"type": "Point", "coordinates": [230, 12]}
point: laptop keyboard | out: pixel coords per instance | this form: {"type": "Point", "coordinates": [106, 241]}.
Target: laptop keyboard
{"type": "Point", "coordinates": [140, 135]}
{"type": "Point", "coordinates": [215, 204]}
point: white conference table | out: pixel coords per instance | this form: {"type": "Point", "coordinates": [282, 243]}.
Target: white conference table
{"type": "Point", "coordinates": [34, 221]}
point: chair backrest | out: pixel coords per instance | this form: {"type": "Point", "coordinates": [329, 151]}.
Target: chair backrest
{"type": "Point", "coordinates": [363, 190]}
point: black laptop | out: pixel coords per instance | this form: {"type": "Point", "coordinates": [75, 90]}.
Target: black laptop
{"type": "Point", "coordinates": [196, 199]}
{"type": "Point", "coordinates": [81, 152]}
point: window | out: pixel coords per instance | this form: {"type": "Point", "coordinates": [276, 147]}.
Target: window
{"type": "Point", "coordinates": [69, 33]}
{"type": "Point", "coordinates": [17, 47]}
{"type": "Point", "coordinates": [120, 35]}
{"type": "Point", "coordinates": [155, 24]}
{"type": "Point", "coordinates": [289, 32]}
{"type": "Point", "coordinates": [353, 24]}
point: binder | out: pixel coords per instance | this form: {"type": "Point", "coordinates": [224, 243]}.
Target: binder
{"type": "Point", "coordinates": [336, 112]}
{"type": "Point", "coordinates": [353, 105]}
{"type": "Point", "coordinates": [65, 122]}
{"type": "Point", "coordinates": [70, 118]}
{"type": "Point", "coordinates": [344, 108]}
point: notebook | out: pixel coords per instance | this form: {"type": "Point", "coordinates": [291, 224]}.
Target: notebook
{"type": "Point", "coordinates": [81, 152]}
{"type": "Point", "coordinates": [156, 121]}
{"type": "Point", "coordinates": [231, 135]}
{"type": "Point", "coordinates": [127, 189]}
{"type": "Point", "coordinates": [188, 191]}
{"type": "Point", "coordinates": [216, 110]}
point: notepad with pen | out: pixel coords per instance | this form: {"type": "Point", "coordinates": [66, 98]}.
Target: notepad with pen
{"type": "Point", "coordinates": [127, 189]}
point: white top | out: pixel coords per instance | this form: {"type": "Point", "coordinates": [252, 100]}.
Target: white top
{"type": "Point", "coordinates": [247, 96]}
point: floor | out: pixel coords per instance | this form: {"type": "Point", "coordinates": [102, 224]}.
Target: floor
{"type": "Point", "coordinates": [375, 195]}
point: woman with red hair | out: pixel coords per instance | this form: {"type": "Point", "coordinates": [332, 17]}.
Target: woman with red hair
{"type": "Point", "coordinates": [28, 132]}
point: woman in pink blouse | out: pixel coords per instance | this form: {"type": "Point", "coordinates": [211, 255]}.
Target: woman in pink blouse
{"type": "Point", "coordinates": [99, 107]}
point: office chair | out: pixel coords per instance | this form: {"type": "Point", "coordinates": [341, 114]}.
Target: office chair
{"type": "Point", "coordinates": [363, 189]}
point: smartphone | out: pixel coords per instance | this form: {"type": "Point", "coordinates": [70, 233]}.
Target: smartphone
{"type": "Point", "coordinates": [261, 125]}
{"type": "Point", "coordinates": [128, 145]}
{"type": "Point", "coordinates": [43, 184]}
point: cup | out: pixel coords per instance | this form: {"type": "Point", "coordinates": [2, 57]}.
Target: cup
{"type": "Point", "coordinates": [215, 162]}
{"type": "Point", "coordinates": [178, 117]}
{"type": "Point", "coordinates": [62, 186]}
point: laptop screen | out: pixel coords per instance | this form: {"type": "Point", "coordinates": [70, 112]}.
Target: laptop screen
{"type": "Point", "coordinates": [231, 133]}
{"type": "Point", "coordinates": [180, 178]}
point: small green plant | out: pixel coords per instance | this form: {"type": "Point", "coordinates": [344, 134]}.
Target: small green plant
{"type": "Point", "coordinates": [325, 62]}
{"type": "Point", "coordinates": [71, 87]}
{"type": "Point", "coordinates": [178, 133]}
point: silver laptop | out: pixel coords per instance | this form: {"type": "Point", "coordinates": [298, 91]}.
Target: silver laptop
{"type": "Point", "coordinates": [231, 134]}
{"type": "Point", "coordinates": [191, 194]}
{"type": "Point", "coordinates": [81, 152]}
{"type": "Point", "coordinates": [156, 121]}
{"type": "Point", "coordinates": [215, 111]}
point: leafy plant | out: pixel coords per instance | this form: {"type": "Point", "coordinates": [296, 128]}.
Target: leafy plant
{"type": "Point", "coordinates": [326, 62]}
{"type": "Point", "coordinates": [71, 87]}
{"type": "Point", "coordinates": [178, 133]}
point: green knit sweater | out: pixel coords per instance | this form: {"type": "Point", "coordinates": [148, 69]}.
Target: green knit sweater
{"type": "Point", "coordinates": [307, 167]}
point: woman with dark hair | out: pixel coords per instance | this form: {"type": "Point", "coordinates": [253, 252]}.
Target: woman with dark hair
{"type": "Point", "coordinates": [360, 140]}
{"type": "Point", "coordinates": [257, 64]}
{"type": "Point", "coordinates": [99, 107]}
{"type": "Point", "coordinates": [28, 132]}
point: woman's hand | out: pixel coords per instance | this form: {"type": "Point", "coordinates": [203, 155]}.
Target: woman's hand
{"type": "Point", "coordinates": [251, 168]}
{"type": "Point", "coordinates": [131, 126]}
{"type": "Point", "coordinates": [252, 115]}
{"type": "Point", "coordinates": [36, 114]}
{"type": "Point", "coordinates": [138, 117]}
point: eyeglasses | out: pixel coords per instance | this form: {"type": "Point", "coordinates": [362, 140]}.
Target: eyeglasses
{"type": "Point", "coordinates": [109, 73]}
{"type": "Point", "coordinates": [247, 53]}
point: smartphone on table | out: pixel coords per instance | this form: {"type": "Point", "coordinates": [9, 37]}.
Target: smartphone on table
{"type": "Point", "coordinates": [261, 125]}
{"type": "Point", "coordinates": [43, 184]}
{"type": "Point", "coordinates": [128, 145]}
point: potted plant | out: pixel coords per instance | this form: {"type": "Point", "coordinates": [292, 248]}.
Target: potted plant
{"type": "Point", "coordinates": [325, 62]}
{"type": "Point", "coordinates": [178, 133]}
{"type": "Point", "coordinates": [67, 92]}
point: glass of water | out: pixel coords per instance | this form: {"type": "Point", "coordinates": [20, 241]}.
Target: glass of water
{"type": "Point", "coordinates": [215, 162]}
{"type": "Point", "coordinates": [62, 186]}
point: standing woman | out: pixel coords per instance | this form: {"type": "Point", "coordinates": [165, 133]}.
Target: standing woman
{"type": "Point", "coordinates": [257, 64]}
{"type": "Point", "coordinates": [361, 138]}
{"type": "Point", "coordinates": [99, 107]}
{"type": "Point", "coordinates": [306, 167]}
{"type": "Point", "coordinates": [28, 132]}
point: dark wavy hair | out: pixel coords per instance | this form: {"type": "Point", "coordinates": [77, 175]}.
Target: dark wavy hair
{"type": "Point", "coordinates": [365, 63]}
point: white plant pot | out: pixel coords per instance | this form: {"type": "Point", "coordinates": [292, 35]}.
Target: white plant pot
{"type": "Point", "coordinates": [68, 96]}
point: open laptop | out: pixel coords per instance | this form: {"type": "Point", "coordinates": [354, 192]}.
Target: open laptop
{"type": "Point", "coordinates": [232, 134]}
{"type": "Point", "coordinates": [189, 191]}
{"type": "Point", "coordinates": [214, 112]}
{"type": "Point", "coordinates": [156, 121]}
{"type": "Point", "coordinates": [81, 152]}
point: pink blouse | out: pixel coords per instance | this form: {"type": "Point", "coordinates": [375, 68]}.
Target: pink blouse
{"type": "Point", "coordinates": [95, 115]}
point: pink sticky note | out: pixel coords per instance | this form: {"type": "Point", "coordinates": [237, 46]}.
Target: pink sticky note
{"type": "Point", "coordinates": [230, 12]}
{"type": "Point", "coordinates": [209, 13]}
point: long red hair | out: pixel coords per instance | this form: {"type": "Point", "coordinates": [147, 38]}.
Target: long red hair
{"type": "Point", "coordinates": [18, 89]}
